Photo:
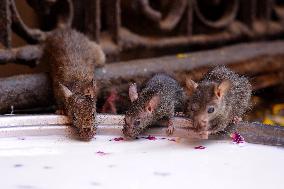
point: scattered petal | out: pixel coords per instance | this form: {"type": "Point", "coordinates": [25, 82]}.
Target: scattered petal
{"type": "Point", "coordinates": [18, 165]}
{"type": "Point", "coordinates": [163, 174]}
{"type": "Point", "coordinates": [237, 138]}
{"type": "Point", "coordinates": [47, 167]}
{"type": "Point", "coordinates": [111, 165]}
{"type": "Point", "coordinates": [101, 153]}
{"type": "Point", "coordinates": [151, 137]}
{"type": "Point", "coordinates": [172, 139]}
{"type": "Point", "coordinates": [95, 184]}
{"type": "Point", "coordinates": [199, 147]}
{"type": "Point", "coordinates": [117, 139]}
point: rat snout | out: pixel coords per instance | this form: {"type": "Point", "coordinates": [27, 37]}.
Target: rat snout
{"type": "Point", "coordinates": [203, 121]}
{"type": "Point", "coordinates": [128, 128]}
{"type": "Point", "coordinates": [128, 132]}
{"type": "Point", "coordinates": [87, 133]}
{"type": "Point", "coordinates": [200, 123]}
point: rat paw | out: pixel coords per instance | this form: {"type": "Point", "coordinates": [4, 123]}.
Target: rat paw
{"type": "Point", "coordinates": [170, 129]}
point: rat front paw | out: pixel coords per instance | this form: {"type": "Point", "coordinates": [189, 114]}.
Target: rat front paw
{"type": "Point", "coordinates": [171, 128]}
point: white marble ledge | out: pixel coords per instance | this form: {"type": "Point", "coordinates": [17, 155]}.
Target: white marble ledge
{"type": "Point", "coordinates": [56, 161]}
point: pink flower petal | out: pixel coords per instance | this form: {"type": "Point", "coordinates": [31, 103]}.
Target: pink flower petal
{"type": "Point", "coordinates": [151, 137]}
{"type": "Point", "coordinates": [117, 139]}
{"type": "Point", "coordinates": [101, 153]}
{"type": "Point", "coordinates": [200, 147]}
{"type": "Point", "coordinates": [237, 138]}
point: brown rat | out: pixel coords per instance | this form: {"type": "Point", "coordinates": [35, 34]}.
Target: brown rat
{"type": "Point", "coordinates": [221, 98]}
{"type": "Point", "coordinates": [159, 99]}
{"type": "Point", "coordinates": [73, 58]}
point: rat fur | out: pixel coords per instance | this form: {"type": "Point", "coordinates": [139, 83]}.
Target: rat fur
{"type": "Point", "coordinates": [73, 58]}
{"type": "Point", "coordinates": [221, 98]}
{"type": "Point", "coordinates": [158, 100]}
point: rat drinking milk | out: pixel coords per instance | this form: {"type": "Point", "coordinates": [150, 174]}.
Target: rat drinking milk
{"type": "Point", "coordinates": [158, 100]}
{"type": "Point", "coordinates": [220, 99]}
{"type": "Point", "coordinates": [73, 58]}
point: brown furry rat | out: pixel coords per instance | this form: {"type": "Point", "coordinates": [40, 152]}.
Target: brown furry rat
{"type": "Point", "coordinates": [73, 58]}
{"type": "Point", "coordinates": [156, 101]}
{"type": "Point", "coordinates": [221, 98]}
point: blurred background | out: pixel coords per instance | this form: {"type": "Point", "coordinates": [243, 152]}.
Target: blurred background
{"type": "Point", "coordinates": [135, 32]}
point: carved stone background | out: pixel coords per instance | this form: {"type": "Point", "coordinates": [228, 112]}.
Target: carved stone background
{"type": "Point", "coordinates": [130, 29]}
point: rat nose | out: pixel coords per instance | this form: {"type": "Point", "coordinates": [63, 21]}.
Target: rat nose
{"type": "Point", "coordinates": [200, 123]}
{"type": "Point", "coordinates": [128, 133]}
{"type": "Point", "coordinates": [201, 120]}
{"type": "Point", "coordinates": [204, 121]}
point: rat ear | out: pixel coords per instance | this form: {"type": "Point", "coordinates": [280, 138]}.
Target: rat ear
{"type": "Point", "coordinates": [153, 104]}
{"type": "Point", "coordinates": [190, 86]}
{"type": "Point", "coordinates": [222, 88]}
{"type": "Point", "coordinates": [132, 92]}
{"type": "Point", "coordinates": [65, 91]}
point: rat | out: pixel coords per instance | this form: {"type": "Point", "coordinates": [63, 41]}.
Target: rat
{"type": "Point", "coordinates": [221, 98]}
{"type": "Point", "coordinates": [72, 58]}
{"type": "Point", "coordinates": [158, 100]}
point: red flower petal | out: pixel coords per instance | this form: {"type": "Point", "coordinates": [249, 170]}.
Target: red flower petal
{"type": "Point", "coordinates": [200, 147]}
{"type": "Point", "coordinates": [117, 139]}
{"type": "Point", "coordinates": [151, 137]}
{"type": "Point", "coordinates": [237, 138]}
{"type": "Point", "coordinates": [101, 153]}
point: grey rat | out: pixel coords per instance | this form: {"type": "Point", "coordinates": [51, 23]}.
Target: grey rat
{"type": "Point", "coordinates": [220, 99]}
{"type": "Point", "coordinates": [73, 58]}
{"type": "Point", "coordinates": [159, 99]}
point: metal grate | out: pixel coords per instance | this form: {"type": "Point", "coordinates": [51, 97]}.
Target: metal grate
{"type": "Point", "coordinates": [127, 28]}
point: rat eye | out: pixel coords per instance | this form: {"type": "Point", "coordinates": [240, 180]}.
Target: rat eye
{"type": "Point", "coordinates": [210, 110]}
{"type": "Point", "coordinates": [136, 122]}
